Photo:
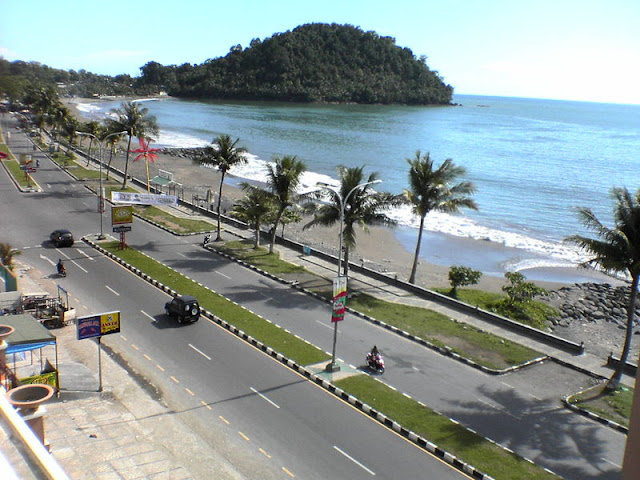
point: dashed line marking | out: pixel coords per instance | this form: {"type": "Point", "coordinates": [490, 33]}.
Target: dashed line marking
{"type": "Point", "coordinates": [264, 397]}
{"type": "Point", "coordinates": [190, 392]}
{"type": "Point", "coordinates": [147, 315]}
{"type": "Point", "coordinates": [205, 404]}
{"type": "Point", "coordinates": [200, 352]}
{"type": "Point", "coordinates": [264, 453]}
{"type": "Point", "coordinates": [354, 461]}
{"type": "Point", "coordinates": [612, 463]}
{"type": "Point", "coordinates": [134, 346]}
{"type": "Point", "coordinates": [160, 368]}
{"type": "Point", "coordinates": [288, 472]}
{"type": "Point", "coordinates": [224, 420]}
{"type": "Point", "coordinates": [111, 290]}
{"type": "Point", "coordinates": [174, 379]}
{"type": "Point", "coordinates": [223, 275]}
{"type": "Point", "coordinates": [147, 357]}
{"type": "Point", "coordinates": [82, 252]}
{"type": "Point", "coordinates": [244, 436]}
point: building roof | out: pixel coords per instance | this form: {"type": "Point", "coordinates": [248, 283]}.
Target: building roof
{"type": "Point", "coordinates": [29, 333]}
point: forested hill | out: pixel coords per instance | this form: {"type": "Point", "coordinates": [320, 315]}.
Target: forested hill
{"type": "Point", "coordinates": [312, 63]}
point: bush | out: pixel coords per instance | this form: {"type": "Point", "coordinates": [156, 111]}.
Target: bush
{"type": "Point", "coordinates": [460, 276]}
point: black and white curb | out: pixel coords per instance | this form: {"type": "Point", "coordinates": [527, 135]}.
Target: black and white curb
{"type": "Point", "coordinates": [379, 417]}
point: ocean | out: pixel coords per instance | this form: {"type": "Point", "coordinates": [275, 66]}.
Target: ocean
{"type": "Point", "coordinates": [533, 162]}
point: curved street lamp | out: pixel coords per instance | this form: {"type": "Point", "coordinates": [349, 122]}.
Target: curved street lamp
{"type": "Point", "coordinates": [101, 193]}
{"type": "Point", "coordinates": [333, 366]}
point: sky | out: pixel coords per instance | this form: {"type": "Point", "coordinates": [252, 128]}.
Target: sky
{"type": "Point", "coordinates": [586, 50]}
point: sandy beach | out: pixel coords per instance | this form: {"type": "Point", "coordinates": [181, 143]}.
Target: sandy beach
{"type": "Point", "coordinates": [378, 248]}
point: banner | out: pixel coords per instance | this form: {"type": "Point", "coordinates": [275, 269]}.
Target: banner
{"type": "Point", "coordinates": [98, 325]}
{"type": "Point", "coordinates": [143, 198]}
{"type": "Point", "coordinates": [121, 214]}
{"type": "Point", "coordinates": [339, 299]}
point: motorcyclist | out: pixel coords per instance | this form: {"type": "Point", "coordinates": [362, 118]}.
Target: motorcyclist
{"type": "Point", "coordinates": [60, 267]}
{"type": "Point", "coordinates": [206, 240]}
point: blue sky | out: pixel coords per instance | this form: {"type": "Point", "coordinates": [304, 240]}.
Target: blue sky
{"type": "Point", "coordinates": [562, 49]}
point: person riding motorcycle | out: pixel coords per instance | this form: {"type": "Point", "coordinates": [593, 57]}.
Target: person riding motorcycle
{"type": "Point", "coordinates": [60, 267]}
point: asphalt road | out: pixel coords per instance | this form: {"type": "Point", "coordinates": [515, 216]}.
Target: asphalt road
{"type": "Point", "coordinates": [268, 420]}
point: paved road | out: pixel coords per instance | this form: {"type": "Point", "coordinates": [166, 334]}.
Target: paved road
{"type": "Point", "coordinates": [264, 417]}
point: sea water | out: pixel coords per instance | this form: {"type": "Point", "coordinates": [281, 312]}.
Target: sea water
{"type": "Point", "coordinates": [533, 161]}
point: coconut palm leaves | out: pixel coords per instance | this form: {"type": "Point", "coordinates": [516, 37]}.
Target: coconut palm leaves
{"type": "Point", "coordinates": [283, 178]}
{"type": "Point", "coordinates": [616, 250]}
{"type": "Point", "coordinates": [433, 188]}
{"type": "Point", "coordinates": [223, 154]}
{"type": "Point", "coordinates": [362, 206]}
{"type": "Point", "coordinates": [137, 122]}
{"type": "Point", "coordinates": [254, 208]}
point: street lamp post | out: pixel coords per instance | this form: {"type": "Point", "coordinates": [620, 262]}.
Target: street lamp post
{"type": "Point", "coordinates": [333, 366]}
{"type": "Point", "coordinates": [101, 193]}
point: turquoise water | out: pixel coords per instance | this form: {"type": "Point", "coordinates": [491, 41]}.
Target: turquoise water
{"type": "Point", "coordinates": [533, 161]}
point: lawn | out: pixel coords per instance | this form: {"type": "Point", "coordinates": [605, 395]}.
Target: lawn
{"type": "Point", "coordinates": [613, 405]}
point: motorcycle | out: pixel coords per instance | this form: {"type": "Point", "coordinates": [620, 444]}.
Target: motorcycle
{"type": "Point", "coordinates": [62, 272]}
{"type": "Point", "coordinates": [375, 362]}
{"type": "Point", "coordinates": [207, 239]}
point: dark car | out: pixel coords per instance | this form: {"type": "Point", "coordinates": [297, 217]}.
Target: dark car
{"type": "Point", "coordinates": [61, 237]}
{"type": "Point", "coordinates": [184, 307]}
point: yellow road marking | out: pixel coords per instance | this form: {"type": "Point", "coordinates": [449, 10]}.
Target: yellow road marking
{"type": "Point", "coordinates": [147, 357]}
{"type": "Point", "coordinates": [134, 346]}
{"type": "Point", "coordinates": [288, 472]}
{"type": "Point", "coordinates": [160, 368]}
{"type": "Point", "coordinates": [205, 404]}
{"type": "Point", "coordinates": [264, 453]}
{"type": "Point", "coordinates": [174, 379]}
{"type": "Point", "coordinates": [224, 420]}
{"type": "Point", "coordinates": [244, 436]}
{"type": "Point", "coordinates": [190, 392]}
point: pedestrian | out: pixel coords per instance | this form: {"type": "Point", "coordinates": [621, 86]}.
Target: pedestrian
{"type": "Point", "coordinates": [37, 160]}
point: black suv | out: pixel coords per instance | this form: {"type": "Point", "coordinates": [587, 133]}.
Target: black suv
{"type": "Point", "coordinates": [184, 307]}
{"type": "Point", "coordinates": [61, 237]}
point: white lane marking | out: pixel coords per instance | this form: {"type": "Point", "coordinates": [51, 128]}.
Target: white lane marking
{"type": "Point", "coordinates": [47, 259]}
{"type": "Point", "coordinates": [537, 398]}
{"type": "Point", "coordinates": [182, 254]}
{"type": "Point", "coordinates": [76, 264]}
{"type": "Point", "coordinates": [415, 368]}
{"type": "Point", "coordinates": [612, 463]}
{"type": "Point", "coordinates": [508, 386]}
{"type": "Point", "coordinates": [324, 324]}
{"type": "Point", "coordinates": [355, 461]}
{"type": "Point", "coordinates": [489, 404]}
{"type": "Point", "coordinates": [147, 315]}
{"type": "Point", "coordinates": [201, 352]}
{"type": "Point", "coordinates": [82, 252]}
{"type": "Point", "coordinates": [223, 275]}
{"type": "Point", "coordinates": [264, 398]}
{"type": "Point", "coordinates": [111, 290]}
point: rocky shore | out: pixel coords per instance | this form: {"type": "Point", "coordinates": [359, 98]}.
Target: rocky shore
{"type": "Point", "coordinates": [596, 314]}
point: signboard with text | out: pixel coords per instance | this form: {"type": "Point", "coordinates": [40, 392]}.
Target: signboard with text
{"type": "Point", "coordinates": [339, 299]}
{"type": "Point", "coordinates": [143, 198]}
{"type": "Point", "coordinates": [98, 325]}
{"type": "Point", "coordinates": [121, 214]}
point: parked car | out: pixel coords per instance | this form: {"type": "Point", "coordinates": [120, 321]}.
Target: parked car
{"type": "Point", "coordinates": [183, 307]}
{"type": "Point", "coordinates": [61, 237]}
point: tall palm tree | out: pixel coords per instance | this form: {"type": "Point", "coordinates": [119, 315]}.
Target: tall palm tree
{"type": "Point", "coordinates": [254, 208]}
{"type": "Point", "coordinates": [137, 122]}
{"type": "Point", "coordinates": [112, 141]}
{"type": "Point", "coordinates": [7, 252]}
{"type": "Point", "coordinates": [283, 180]}
{"type": "Point", "coordinates": [363, 207]}
{"type": "Point", "coordinates": [223, 153]}
{"type": "Point", "coordinates": [95, 129]}
{"type": "Point", "coordinates": [433, 188]}
{"type": "Point", "coordinates": [616, 251]}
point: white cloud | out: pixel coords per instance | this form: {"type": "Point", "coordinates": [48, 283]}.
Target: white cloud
{"type": "Point", "coordinates": [8, 54]}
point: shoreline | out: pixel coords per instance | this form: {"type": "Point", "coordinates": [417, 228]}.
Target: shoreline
{"type": "Point", "coordinates": [383, 248]}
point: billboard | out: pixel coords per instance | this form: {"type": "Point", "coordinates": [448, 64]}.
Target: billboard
{"type": "Point", "coordinates": [121, 214]}
{"type": "Point", "coordinates": [98, 325]}
{"type": "Point", "coordinates": [143, 198]}
{"type": "Point", "coordinates": [339, 299]}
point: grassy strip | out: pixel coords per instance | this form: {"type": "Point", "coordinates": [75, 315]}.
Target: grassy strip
{"type": "Point", "coordinates": [176, 224]}
{"type": "Point", "coordinates": [19, 175]}
{"type": "Point", "coordinates": [269, 334]}
{"type": "Point", "coordinates": [466, 340]}
{"type": "Point", "coordinates": [472, 448]}
{"type": "Point", "coordinates": [613, 405]}
{"type": "Point", "coordinates": [260, 257]}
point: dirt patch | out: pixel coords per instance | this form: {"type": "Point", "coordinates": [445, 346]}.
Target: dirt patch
{"type": "Point", "coordinates": [473, 351]}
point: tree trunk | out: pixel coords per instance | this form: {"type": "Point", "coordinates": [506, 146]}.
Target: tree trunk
{"type": "Point", "coordinates": [257, 242]}
{"type": "Point", "coordinates": [126, 165]}
{"type": "Point", "coordinates": [345, 265]}
{"type": "Point", "coordinates": [89, 152]}
{"type": "Point", "coordinates": [275, 229]}
{"type": "Point", "coordinates": [616, 378]}
{"type": "Point", "coordinates": [109, 164]}
{"type": "Point", "coordinates": [414, 268]}
{"type": "Point", "coordinates": [219, 230]}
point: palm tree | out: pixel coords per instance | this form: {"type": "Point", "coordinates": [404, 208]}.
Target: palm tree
{"type": "Point", "coordinates": [616, 251]}
{"type": "Point", "coordinates": [136, 122]}
{"type": "Point", "coordinates": [256, 206]}
{"type": "Point", "coordinates": [433, 189]}
{"type": "Point", "coordinates": [283, 180]}
{"type": "Point", "coordinates": [223, 153]}
{"type": "Point", "coordinates": [112, 141]}
{"type": "Point", "coordinates": [363, 206]}
{"type": "Point", "coordinates": [95, 129]}
{"type": "Point", "coordinates": [7, 252]}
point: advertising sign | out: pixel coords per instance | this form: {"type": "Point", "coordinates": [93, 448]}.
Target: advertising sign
{"type": "Point", "coordinates": [98, 325]}
{"type": "Point", "coordinates": [121, 214]}
{"type": "Point", "coordinates": [339, 299]}
{"type": "Point", "coordinates": [143, 198]}
{"type": "Point", "coordinates": [122, 229]}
